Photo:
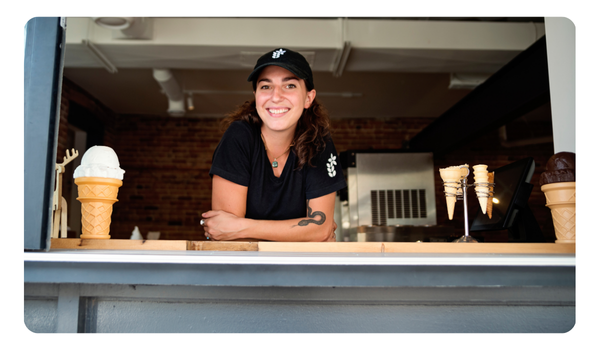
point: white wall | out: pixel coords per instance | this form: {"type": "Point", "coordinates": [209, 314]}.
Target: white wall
{"type": "Point", "coordinates": [560, 42]}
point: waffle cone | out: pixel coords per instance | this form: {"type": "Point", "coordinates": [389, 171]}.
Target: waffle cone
{"type": "Point", "coordinates": [490, 202]}
{"type": "Point", "coordinates": [560, 198]}
{"type": "Point", "coordinates": [450, 202]}
{"type": "Point", "coordinates": [482, 191]}
{"type": "Point", "coordinates": [483, 203]}
{"type": "Point", "coordinates": [97, 195]}
{"type": "Point", "coordinates": [451, 176]}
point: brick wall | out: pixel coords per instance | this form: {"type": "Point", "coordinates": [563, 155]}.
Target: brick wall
{"type": "Point", "coordinates": [167, 186]}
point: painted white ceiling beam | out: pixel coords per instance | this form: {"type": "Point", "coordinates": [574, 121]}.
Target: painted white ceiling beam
{"type": "Point", "coordinates": [442, 35]}
{"type": "Point", "coordinates": [244, 32]}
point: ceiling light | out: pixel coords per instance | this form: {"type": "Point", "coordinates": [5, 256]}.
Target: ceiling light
{"type": "Point", "coordinates": [466, 80]}
{"type": "Point", "coordinates": [117, 23]}
{"type": "Point", "coordinates": [127, 27]}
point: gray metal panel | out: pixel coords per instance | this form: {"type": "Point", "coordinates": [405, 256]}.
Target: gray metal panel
{"type": "Point", "coordinates": [44, 47]}
{"type": "Point", "coordinates": [182, 309]}
{"type": "Point", "coordinates": [394, 171]}
{"type": "Point", "coordinates": [68, 306]}
{"type": "Point", "coordinates": [40, 314]}
{"type": "Point", "coordinates": [451, 295]}
{"type": "Point", "coordinates": [281, 317]}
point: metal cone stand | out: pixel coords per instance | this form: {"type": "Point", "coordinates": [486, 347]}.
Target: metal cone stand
{"type": "Point", "coordinates": [463, 183]}
{"type": "Point", "coordinates": [461, 195]}
{"type": "Point", "coordinates": [450, 184]}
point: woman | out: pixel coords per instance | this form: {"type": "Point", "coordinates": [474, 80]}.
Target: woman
{"type": "Point", "coordinates": [275, 172]}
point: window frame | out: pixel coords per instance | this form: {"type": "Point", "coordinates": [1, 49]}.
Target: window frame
{"type": "Point", "coordinates": [43, 68]}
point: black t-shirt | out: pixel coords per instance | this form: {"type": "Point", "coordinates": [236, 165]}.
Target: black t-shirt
{"type": "Point", "coordinates": [241, 158]}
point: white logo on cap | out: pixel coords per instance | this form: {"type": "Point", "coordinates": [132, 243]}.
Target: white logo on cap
{"type": "Point", "coordinates": [278, 53]}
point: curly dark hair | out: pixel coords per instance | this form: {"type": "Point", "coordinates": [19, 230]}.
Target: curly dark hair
{"type": "Point", "coordinates": [312, 130]}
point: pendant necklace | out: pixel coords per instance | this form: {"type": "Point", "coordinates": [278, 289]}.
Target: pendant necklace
{"type": "Point", "coordinates": [275, 164]}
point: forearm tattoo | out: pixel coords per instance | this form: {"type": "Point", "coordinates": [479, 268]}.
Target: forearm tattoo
{"type": "Point", "coordinates": [312, 217]}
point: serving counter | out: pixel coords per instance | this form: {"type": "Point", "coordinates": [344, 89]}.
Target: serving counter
{"type": "Point", "coordinates": [268, 287]}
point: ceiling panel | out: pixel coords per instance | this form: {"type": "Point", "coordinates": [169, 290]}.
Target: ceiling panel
{"type": "Point", "coordinates": [395, 67]}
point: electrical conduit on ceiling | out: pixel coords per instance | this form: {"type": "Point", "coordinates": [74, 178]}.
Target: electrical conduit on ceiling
{"type": "Point", "coordinates": [522, 142]}
{"type": "Point", "coordinates": [171, 88]}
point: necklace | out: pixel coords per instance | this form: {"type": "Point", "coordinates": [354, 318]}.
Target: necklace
{"type": "Point", "coordinates": [275, 164]}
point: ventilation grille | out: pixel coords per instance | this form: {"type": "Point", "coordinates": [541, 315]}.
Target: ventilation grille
{"type": "Point", "coordinates": [397, 204]}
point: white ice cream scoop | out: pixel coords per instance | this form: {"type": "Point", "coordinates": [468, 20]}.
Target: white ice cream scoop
{"type": "Point", "coordinates": [99, 161]}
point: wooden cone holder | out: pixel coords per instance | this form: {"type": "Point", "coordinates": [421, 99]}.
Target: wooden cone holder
{"type": "Point", "coordinates": [59, 204]}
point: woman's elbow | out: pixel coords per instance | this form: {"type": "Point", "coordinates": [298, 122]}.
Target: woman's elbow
{"type": "Point", "coordinates": [326, 233]}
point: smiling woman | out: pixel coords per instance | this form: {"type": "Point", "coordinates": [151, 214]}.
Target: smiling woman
{"type": "Point", "coordinates": [274, 172]}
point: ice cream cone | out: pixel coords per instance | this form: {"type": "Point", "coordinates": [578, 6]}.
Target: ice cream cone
{"type": "Point", "coordinates": [490, 203]}
{"type": "Point", "coordinates": [481, 177]}
{"type": "Point", "coordinates": [451, 177]}
{"type": "Point", "coordinates": [450, 203]}
{"type": "Point", "coordinates": [97, 195]}
{"type": "Point", "coordinates": [560, 198]}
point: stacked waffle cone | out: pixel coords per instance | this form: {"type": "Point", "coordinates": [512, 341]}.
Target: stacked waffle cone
{"type": "Point", "coordinates": [481, 189]}
{"type": "Point", "coordinates": [97, 196]}
{"type": "Point", "coordinates": [452, 177]}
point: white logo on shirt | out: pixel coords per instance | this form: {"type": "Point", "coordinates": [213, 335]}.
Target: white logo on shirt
{"type": "Point", "coordinates": [278, 53]}
{"type": "Point", "coordinates": [330, 165]}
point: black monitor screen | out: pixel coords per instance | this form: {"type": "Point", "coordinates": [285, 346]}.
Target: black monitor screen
{"type": "Point", "coordinates": [510, 184]}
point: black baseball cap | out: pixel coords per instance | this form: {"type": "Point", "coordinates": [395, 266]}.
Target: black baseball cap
{"type": "Point", "coordinates": [288, 59]}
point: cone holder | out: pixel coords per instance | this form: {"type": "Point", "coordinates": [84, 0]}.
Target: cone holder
{"type": "Point", "coordinates": [461, 192]}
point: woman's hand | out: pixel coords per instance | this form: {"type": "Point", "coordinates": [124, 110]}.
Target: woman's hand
{"type": "Point", "coordinates": [220, 225]}
{"type": "Point", "coordinates": [332, 237]}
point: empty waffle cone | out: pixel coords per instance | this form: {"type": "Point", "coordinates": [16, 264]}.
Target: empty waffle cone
{"type": "Point", "coordinates": [490, 194]}
{"type": "Point", "coordinates": [450, 203]}
{"type": "Point", "coordinates": [451, 177]}
{"type": "Point", "coordinates": [482, 193]}
{"type": "Point", "coordinates": [481, 177]}
{"type": "Point", "coordinates": [483, 204]}
{"type": "Point", "coordinates": [97, 196]}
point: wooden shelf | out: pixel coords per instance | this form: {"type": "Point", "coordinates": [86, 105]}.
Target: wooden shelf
{"type": "Point", "coordinates": [116, 244]}
{"type": "Point", "coordinates": [330, 247]}
{"type": "Point", "coordinates": [413, 247]}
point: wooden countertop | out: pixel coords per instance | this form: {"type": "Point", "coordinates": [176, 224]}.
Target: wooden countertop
{"type": "Point", "coordinates": [329, 247]}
